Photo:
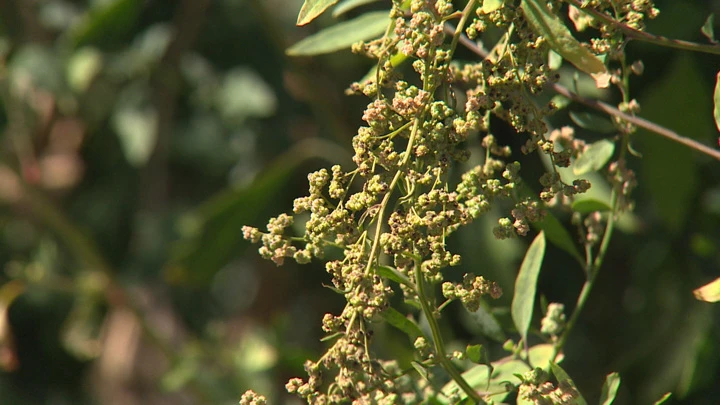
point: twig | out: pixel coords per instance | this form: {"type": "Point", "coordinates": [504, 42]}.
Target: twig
{"type": "Point", "coordinates": [647, 37]}
{"type": "Point", "coordinates": [604, 107]}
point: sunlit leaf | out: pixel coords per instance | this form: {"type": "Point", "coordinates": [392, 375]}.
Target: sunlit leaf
{"type": "Point", "coordinates": [594, 157]}
{"type": "Point", "coordinates": [476, 354]}
{"type": "Point", "coordinates": [526, 284]}
{"type": "Point", "coordinates": [311, 9]}
{"type": "Point", "coordinates": [609, 389]}
{"type": "Point", "coordinates": [348, 5]}
{"type": "Point", "coordinates": [495, 377]}
{"type": "Point", "coordinates": [709, 292]}
{"type": "Point", "coordinates": [563, 376]}
{"type": "Point", "coordinates": [491, 5]}
{"type": "Point", "coordinates": [593, 122]}
{"type": "Point", "coordinates": [367, 26]}
{"type": "Point", "coordinates": [559, 37]}
{"type": "Point", "coordinates": [586, 206]}
{"type": "Point", "coordinates": [420, 369]}
{"type": "Point", "coordinates": [663, 399]}
{"type": "Point", "coordinates": [708, 30]}
{"type": "Point", "coordinates": [716, 101]}
{"type": "Point", "coordinates": [400, 321]}
{"type": "Point", "coordinates": [554, 60]}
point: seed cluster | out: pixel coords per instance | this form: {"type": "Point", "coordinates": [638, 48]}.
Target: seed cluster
{"type": "Point", "coordinates": [399, 205]}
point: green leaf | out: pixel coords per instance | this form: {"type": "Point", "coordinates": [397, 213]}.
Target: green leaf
{"type": "Point", "coordinates": [348, 5]}
{"type": "Point", "coordinates": [554, 60]}
{"type": "Point", "coordinates": [609, 389]}
{"type": "Point", "coordinates": [594, 157]}
{"type": "Point", "coordinates": [710, 292]}
{"type": "Point", "coordinates": [593, 122]}
{"type": "Point", "coordinates": [494, 378]}
{"type": "Point", "coordinates": [559, 37]}
{"type": "Point", "coordinates": [491, 5]}
{"type": "Point", "coordinates": [663, 399]}
{"type": "Point", "coordinates": [111, 19]}
{"type": "Point", "coordinates": [400, 321]}
{"type": "Point", "coordinates": [526, 285]}
{"type": "Point", "coordinates": [311, 9]}
{"type": "Point", "coordinates": [556, 233]}
{"type": "Point", "coordinates": [708, 30]}
{"type": "Point", "coordinates": [476, 354]}
{"type": "Point", "coordinates": [563, 376]}
{"type": "Point", "coordinates": [393, 274]}
{"type": "Point", "coordinates": [560, 102]}
{"type": "Point", "coordinates": [367, 26]}
{"type": "Point", "coordinates": [420, 369]}
{"type": "Point", "coordinates": [716, 100]}
{"type": "Point", "coordinates": [586, 206]}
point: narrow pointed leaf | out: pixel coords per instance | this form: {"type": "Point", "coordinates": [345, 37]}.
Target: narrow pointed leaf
{"type": "Point", "coordinates": [394, 275]}
{"type": "Point", "coordinates": [526, 285]}
{"type": "Point", "coordinates": [609, 389]}
{"type": "Point", "coordinates": [559, 37]}
{"type": "Point", "coordinates": [663, 399]}
{"type": "Point", "coordinates": [708, 30]}
{"type": "Point", "coordinates": [594, 157]}
{"type": "Point", "coordinates": [716, 99]}
{"type": "Point", "coordinates": [311, 9]}
{"type": "Point", "coordinates": [563, 376]}
{"type": "Point", "coordinates": [398, 320]}
{"type": "Point", "coordinates": [593, 122]}
{"type": "Point", "coordinates": [343, 35]}
{"type": "Point", "coordinates": [709, 292]}
{"type": "Point", "coordinates": [348, 5]}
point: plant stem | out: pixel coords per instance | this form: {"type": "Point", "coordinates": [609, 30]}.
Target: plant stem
{"type": "Point", "coordinates": [647, 37]}
{"type": "Point", "coordinates": [437, 338]}
{"type": "Point", "coordinates": [606, 108]}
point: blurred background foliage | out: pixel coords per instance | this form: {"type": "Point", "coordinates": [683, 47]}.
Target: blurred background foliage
{"type": "Point", "coordinates": [138, 136]}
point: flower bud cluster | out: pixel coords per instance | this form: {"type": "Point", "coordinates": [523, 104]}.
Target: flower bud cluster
{"type": "Point", "coordinates": [537, 389]}
{"type": "Point", "coordinates": [554, 321]}
{"type": "Point", "coordinates": [471, 291]}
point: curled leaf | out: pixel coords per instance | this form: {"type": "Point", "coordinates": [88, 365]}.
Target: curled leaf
{"type": "Point", "coordinates": [549, 26]}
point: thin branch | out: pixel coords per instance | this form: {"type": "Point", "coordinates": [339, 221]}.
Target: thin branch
{"type": "Point", "coordinates": [647, 37]}
{"type": "Point", "coordinates": [604, 107]}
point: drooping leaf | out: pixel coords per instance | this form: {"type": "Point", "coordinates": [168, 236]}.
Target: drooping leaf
{"type": "Point", "coordinates": [311, 9]}
{"type": "Point", "coordinates": [394, 275]}
{"type": "Point", "coordinates": [586, 206]}
{"type": "Point", "coordinates": [400, 321]}
{"type": "Point", "coordinates": [348, 5]}
{"type": "Point", "coordinates": [559, 37]}
{"type": "Point", "coordinates": [594, 157]}
{"type": "Point", "coordinates": [609, 389]}
{"type": "Point", "coordinates": [562, 376]}
{"type": "Point", "coordinates": [367, 26]}
{"type": "Point", "coordinates": [708, 30]}
{"type": "Point", "coordinates": [526, 284]}
{"type": "Point", "coordinates": [710, 292]}
{"type": "Point", "coordinates": [556, 233]}
{"type": "Point", "coordinates": [663, 399]}
{"type": "Point", "coordinates": [716, 101]}
{"type": "Point", "coordinates": [593, 122]}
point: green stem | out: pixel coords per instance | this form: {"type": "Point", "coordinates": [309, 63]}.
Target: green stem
{"type": "Point", "coordinates": [647, 37]}
{"type": "Point", "coordinates": [437, 338]}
